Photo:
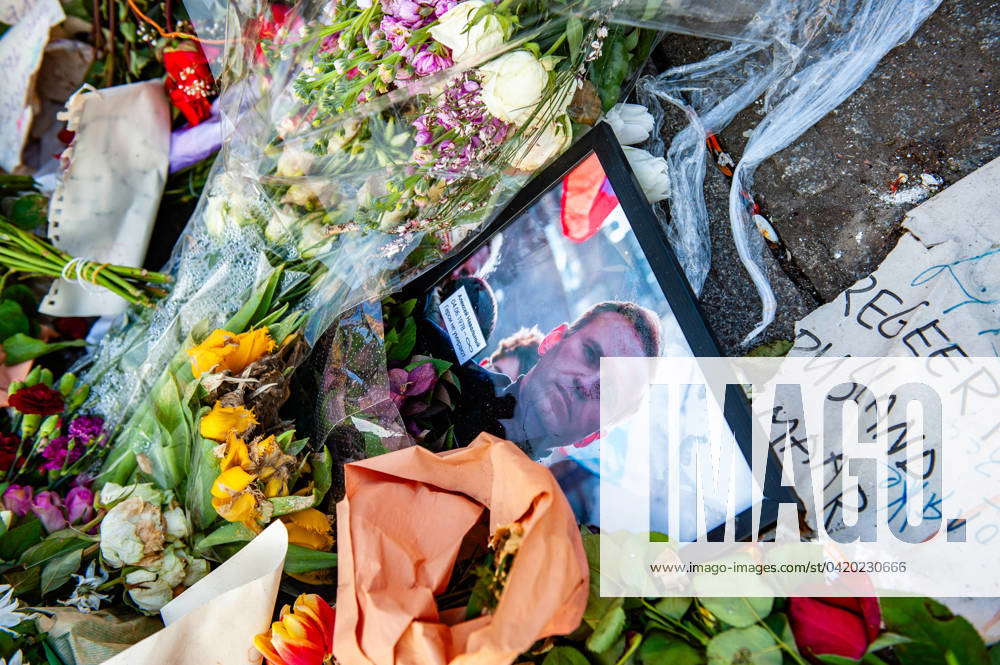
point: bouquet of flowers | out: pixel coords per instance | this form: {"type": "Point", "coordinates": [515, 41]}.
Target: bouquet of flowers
{"type": "Point", "coordinates": [370, 138]}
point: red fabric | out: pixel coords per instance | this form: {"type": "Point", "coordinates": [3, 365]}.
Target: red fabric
{"type": "Point", "coordinates": [189, 83]}
{"type": "Point", "coordinates": [586, 202]}
{"type": "Point", "coordinates": [839, 626]}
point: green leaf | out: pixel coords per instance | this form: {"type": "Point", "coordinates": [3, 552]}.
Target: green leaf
{"type": "Point", "coordinates": [995, 654]}
{"type": "Point", "coordinates": [12, 319]}
{"type": "Point", "coordinates": [50, 548]}
{"type": "Point", "coordinates": [50, 655]}
{"type": "Point", "coordinates": [19, 539]}
{"type": "Point", "coordinates": [886, 640]}
{"type": "Point", "coordinates": [574, 35]}
{"type": "Point", "coordinates": [403, 347]}
{"type": "Point", "coordinates": [739, 612]}
{"type": "Point", "coordinates": [257, 305]}
{"type": "Point", "coordinates": [30, 211]}
{"type": "Point", "coordinates": [22, 295]}
{"type": "Point", "coordinates": [373, 445]}
{"type": "Point", "coordinates": [57, 572]}
{"type": "Point", "coordinates": [672, 607]}
{"type": "Point", "coordinates": [322, 468]}
{"type": "Point", "coordinates": [632, 40]}
{"type": "Point", "coordinates": [20, 347]}
{"type": "Point", "coordinates": [406, 308]}
{"type": "Point", "coordinates": [283, 505]}
{"type": "Point", "coordinates": [24, 581]}
{"type": "Point", "coordinates": [304, 560]}
{"type": "Point", "coordinates": [607, 631]}
{"type": "Point", "coordinates": [611, 69]}
{"type": "Point", "coordinates": [743, 646]}
{"type": "Point", "coordinates": [660, 649]}
{"type": "Point", "coordinates": [198, 484]}
{"type": "Point", "coordinates": [231, 532]}
{"type": "Point", "coordinates": [935, 632]}
{"type": "Point", "coordinates": [565, 656]}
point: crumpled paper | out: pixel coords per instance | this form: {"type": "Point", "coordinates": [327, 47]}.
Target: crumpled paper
{"type": "Point", "coordinates": [400, 527]}
{"type": "Point", "coordinates": [214, 622]}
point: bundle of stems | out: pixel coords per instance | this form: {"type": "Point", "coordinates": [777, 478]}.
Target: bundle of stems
{"type": "Point", "coordinates": [24, 252]}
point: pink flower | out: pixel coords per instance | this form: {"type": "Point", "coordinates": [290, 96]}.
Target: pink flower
{"type": "Point", "coordinates": [47, 506]}
{"type": "Point", "coordinates": [61, 451]}
{"type": "Point", "coordinates": [17, 499]}
{"type": "Point", "coordinates": [427, 62]}
{"type": "Point", "coordinates": [79, 504]}
{"type": "Point", "coordinates": [838, 626]}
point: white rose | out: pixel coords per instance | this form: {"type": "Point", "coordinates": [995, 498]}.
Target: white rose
{"type": "Point", "coordinates": [651, 172]}
{"type": "Point", "coordinates": [170, 568]}
{"type": "Point", "coordinates": [313, 240]}
{"type": "Point", "coordinates": [196, 569]}
{"type": "Point", "coordinates": [466, 40]}
{"type": "Point", "coordinates": [177, 523]}
{"type": "Point", "coordinates": [513, 85]}
{"type": "Point", "coordinates": [294, 161]}
{"type": "Point", "coordinates": [278, 228]}
{"type": "Point", "coordinates": [150, 593]}
{"type": "Point", "coordinates": [130, 532]}
{"type": "Point", "coordinates": [631, 123]}
{"type": "Point", "coordinates": [544, 145]}
{"type": "Point", "coordinates": [214, 215]}
{"type": "Point", "coordinates": [113, 492]}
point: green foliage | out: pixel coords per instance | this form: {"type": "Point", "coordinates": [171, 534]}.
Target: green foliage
{"type": "Point", "coordinates": [937, 636]}
{"type": "Point", "coordinates": [743, 646]}
{"type": "Point", "coordinates": [565, 656]}
{"type": "Point", "coordinates": [29, 211]}
{"type": "Point", "coordinates": [12, 319]}
{"type": "Point", "coordinates": [21, 347]}
{"type": "Point", "coordinates": [658, 648]}
{"type": "Point", "coordinates": [304, 560]}
{"type": "Point", "coordinates": [738, 612]}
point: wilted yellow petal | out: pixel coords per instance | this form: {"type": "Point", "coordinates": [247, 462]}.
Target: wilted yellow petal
{"type": "Point", "coordinates": [209, 354]}
{"type": "Point", "coordinates": [242, 508]}
{"type": "Point", "coordinates": [309, 528]}
{"type": "Point", "coordinates": [221, 420]}
{"type": "Point", "coordinates": [230, 482]}
{"type": "Point", "coordinates": [250, 347]}
{"type": "Point", "coordinates": [275, 487]}
{"type": "Point", "coordinates": [236, 453]}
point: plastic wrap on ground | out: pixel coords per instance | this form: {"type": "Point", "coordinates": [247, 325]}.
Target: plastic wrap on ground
{"type": "Point", "coordinates": [804, 58]}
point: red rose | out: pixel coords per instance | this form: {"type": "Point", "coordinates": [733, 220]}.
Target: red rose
{"type": "Point", "coordinates": [39, 399]}
{"type": "Point", "coordinates": [189, 83]}
{"type": "Point", "coordinates": [73, 327]}
{"type": "Point", "coordinates": [839, 626]}
{"type": "Point", "coordinates": [8, 449]}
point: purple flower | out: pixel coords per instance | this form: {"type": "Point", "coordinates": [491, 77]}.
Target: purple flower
{"type": "Point", "coordinates": [47, 506]}
{"type": "Point", "coordinates": [376, 42]}
{"type": "Point", "coordinates": [442, 6]}
{"type": "Point", "coordinates": [414, 383]}
{"type": "Point", "coordinates": [79, 504]}
{"type": "Point", "coordinates": [427, 62]}
{"type": "Point", "coordinates": [86, 428]}
{"type": "Point", "coordinates": [397, 33]}
{"type": "Point", "coordinates": [58, 453]}
{"type": "Point", "coordinates": [406, 11]}
{"type": "Point", "coordinates": [17, 499]}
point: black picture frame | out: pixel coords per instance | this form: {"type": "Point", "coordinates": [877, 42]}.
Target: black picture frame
{"type": "Point", "coordinates": [601, 141]}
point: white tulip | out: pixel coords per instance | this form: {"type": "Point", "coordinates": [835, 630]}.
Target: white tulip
{"type": "Point", "coordinates": [112, 492]}
{"type": "Point", "coordinates": [294, 161]}
{"type": "Point", "coordinates": [468, 40]}
{"type": "Point", "coordinates": [177, 523]}
{"type": "Point", "coordinates": [651, 172]}
{"type": "Point", "coordinates": [631, 123]}
{"type": "Point", "coordinates": [545, 146]}
{"type": "Point", "coordinates": [513, 85]}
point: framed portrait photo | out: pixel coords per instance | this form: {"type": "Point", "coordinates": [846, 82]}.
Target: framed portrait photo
{"type": "Point", "coordinates": [576, 269]}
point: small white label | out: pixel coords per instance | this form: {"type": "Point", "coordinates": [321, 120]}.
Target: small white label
{"type": "Point", "coordinates": [463, 326]}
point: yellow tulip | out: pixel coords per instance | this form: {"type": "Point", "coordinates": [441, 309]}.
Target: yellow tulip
{"type": "Point", "coordinates": [309, 528]}
{"type": "Point", "coordinates": [223, 350]}
{"type": "Point", "coordinates": [275, 486]}
{"type": "Point", "coordinates": [242, 508]}
{"type": "Point", "coordinates": [221, 420]}
{"type": "Point", "coordinates": [231, 481]}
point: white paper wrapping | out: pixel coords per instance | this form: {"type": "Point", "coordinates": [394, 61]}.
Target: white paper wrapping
{"type": "Point", "coordinates": [105, 204]}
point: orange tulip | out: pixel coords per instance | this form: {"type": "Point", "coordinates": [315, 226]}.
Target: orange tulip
{"type": "Point", "coordinates": [303, 635]}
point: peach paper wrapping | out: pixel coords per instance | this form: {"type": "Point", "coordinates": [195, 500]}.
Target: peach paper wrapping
{"type": "Point", "coordinates": [400, 526]}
